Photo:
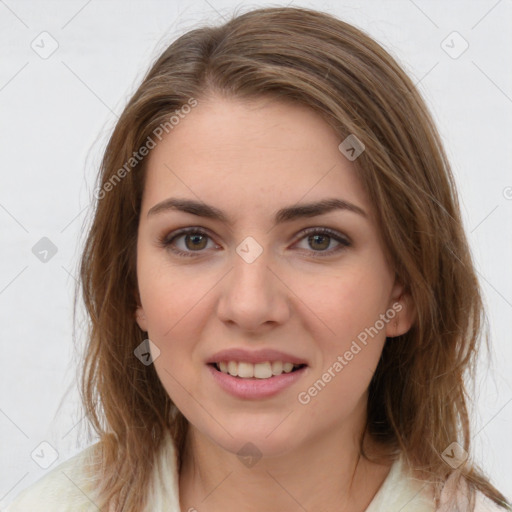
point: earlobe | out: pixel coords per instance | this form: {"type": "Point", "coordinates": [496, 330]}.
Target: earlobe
{"type": "Point", "coordinates": [140, 317]}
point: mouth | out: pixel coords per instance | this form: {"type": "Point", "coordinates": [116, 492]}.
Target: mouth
{"type": "Point", "coordinates": [258, 371]}
{"type": "Point", "coordinates": [256, 374]}
{"type": "Point", "coordinates": [256, 381]}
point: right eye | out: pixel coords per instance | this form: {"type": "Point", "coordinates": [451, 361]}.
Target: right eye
{"type": "Point", "coordinates": [194, 241]}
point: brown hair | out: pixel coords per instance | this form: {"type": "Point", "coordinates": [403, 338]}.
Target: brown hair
{"type": "Point", "coordinates": [417, 399]}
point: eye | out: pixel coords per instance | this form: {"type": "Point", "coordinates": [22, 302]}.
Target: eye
{"type": "Point", "coordinates": [320, 239]}
{"type": "Point", "coordinates": [194, 240]}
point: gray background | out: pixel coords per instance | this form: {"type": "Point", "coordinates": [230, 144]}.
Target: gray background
{"type": "Point", "coordinates": [56, 113]}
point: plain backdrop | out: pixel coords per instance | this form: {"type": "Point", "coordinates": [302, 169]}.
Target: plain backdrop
{"type": "Point", "coordinates": [57, 110]}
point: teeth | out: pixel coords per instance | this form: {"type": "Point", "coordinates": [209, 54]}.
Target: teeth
{"type": "Point", "coordinates": [287, 367]}
{"type": "Point", "coordinates": [277, 368]}
{"type": "Point", "coordinates": [245, 370]}
{"type": "Point", "coordinates": [262, 370]}
{"type": "Point", "coordinates": [233, 368]}
{"type": "Point", "coordinates": [259, 370]}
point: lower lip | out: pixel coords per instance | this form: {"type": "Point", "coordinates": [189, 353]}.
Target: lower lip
{"type": "Point", "coordinates": [255, 388]}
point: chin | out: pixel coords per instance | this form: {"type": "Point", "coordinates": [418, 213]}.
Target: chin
{"type": "Point", "coordinates": [248, 445]}
{"type": "Point", "coordinates": [269, 438]}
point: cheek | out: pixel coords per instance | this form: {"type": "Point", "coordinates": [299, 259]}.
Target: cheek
{"type": "Point", "coordinates": [169, 294]}
{"type": "Point", "coordinates": [175, 311]}
{"type": "Point", "coordinates": [344, 317]}
{"type": "Point", "coordinates": [337, 386]}
{"type": "Point", "coordinates": [344, 304]}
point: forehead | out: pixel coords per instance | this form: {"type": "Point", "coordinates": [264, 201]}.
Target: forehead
{"type": "Point", "coordinates": [250, 154]}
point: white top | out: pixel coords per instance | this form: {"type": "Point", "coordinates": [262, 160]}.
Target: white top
{"type": "Point", "coordinates": [65, 489]}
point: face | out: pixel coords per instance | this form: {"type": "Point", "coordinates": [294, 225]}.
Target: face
{"type": "Point", "coordinates": [260, 276]}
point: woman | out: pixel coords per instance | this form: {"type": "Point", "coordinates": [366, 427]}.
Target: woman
{"type": "Point", "coordinates": [282, 299]}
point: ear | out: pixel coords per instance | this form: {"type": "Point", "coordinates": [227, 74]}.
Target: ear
{"type": "Point", "coordinates": [140, 317]}
{"type": "Point", "coordinates": [401, 311]}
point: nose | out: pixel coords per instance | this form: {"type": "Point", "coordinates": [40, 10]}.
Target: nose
{"type": "Point", "coordinates": [253, 295]}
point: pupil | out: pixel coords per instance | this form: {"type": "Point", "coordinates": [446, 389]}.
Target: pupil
{"type": "Point", "coordinates": [196, 240]}
{"type": "Point", "coordinates": [324, 237]}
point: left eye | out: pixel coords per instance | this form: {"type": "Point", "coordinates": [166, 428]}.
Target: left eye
{"type": "Point", "coordinates": [195, 240]}
{"type": "Point", "coordinates": [321, 239]}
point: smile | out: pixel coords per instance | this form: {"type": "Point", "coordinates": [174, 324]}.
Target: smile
{"type": "Point", "coordinates": [255, 381]}
{"type": "Point", "coordinates": [265, 370]}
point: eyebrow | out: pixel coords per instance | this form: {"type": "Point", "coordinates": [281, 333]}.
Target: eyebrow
{"type": "Point", "coordinates": [283, 215]}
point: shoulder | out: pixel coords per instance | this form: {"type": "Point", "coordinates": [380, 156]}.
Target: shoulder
{"type": "Point", "coordinates": [484, 504]}
{"type": "Point", "coordinates": [403, 491]}
{"type": "Point", "coordinates": [68, 487]}
{"type": "Point", "coordinates": [456, 496]}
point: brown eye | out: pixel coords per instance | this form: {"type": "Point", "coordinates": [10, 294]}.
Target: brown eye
{"type": "Point", "coordinates": [195, 241]}
{"type": "Point", "coordinates": [186, 242]}
{"type": "Point", "coordinates": [319, 241]}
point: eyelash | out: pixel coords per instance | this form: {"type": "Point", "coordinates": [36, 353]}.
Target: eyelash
{"type": "Point", "coordinates": [167, 240]}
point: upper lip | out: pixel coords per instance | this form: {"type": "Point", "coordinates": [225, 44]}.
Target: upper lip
{"type": "Point", "coordinates": [254, 356]}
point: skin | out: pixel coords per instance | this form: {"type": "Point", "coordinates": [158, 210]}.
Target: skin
{"type": "Point", "coordinates": [250, 159]}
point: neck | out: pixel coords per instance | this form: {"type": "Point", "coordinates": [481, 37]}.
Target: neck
{"type": "Point", "coordinates": [326, 473]}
